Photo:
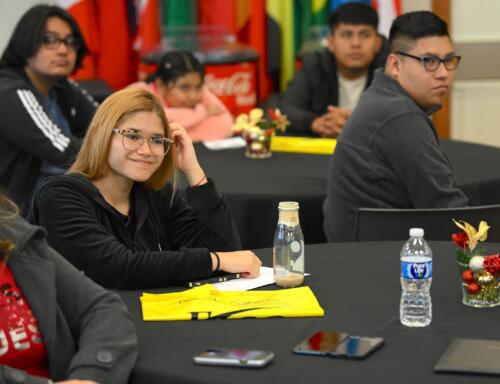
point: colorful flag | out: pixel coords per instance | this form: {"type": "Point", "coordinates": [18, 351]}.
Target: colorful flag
{"type": "Point", "coordinates": [218, 12]}
{"type": "Point", "coordinates": [337, 3]}
{"type": "Point", "coordinates": [252, 30]}
{"type": "Point", "coordinates": [116, 62]}
{"type": "Point", "coordinates": [281, 41]}
{"type": "Point", "coordinates": [148, 34]}
{"type": "Point", "coordinates": [179, 12]}
{"type": "Point", "coordinates": [84, 12]}
{"type": "Point", "coordinates": [387, 10]}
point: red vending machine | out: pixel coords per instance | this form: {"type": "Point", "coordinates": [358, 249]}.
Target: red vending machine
{"type": "Point", "coordinates": [230, 67]}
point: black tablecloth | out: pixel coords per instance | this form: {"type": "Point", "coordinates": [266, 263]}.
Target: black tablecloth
{"type": "Point", "coordinates": [357, 284]}
{"type": "Point", "coordinates": [253, 188]}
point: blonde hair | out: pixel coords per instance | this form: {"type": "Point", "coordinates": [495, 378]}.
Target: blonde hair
{"type": "Point", "coordinates": [92, 160]}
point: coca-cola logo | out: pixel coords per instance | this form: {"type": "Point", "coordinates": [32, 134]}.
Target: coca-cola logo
{"type": "Point", "coordinates": [239, 83]}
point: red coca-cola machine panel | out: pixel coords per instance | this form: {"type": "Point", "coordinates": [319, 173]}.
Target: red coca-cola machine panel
{"type": "Point", "coordinates": [235, 84]}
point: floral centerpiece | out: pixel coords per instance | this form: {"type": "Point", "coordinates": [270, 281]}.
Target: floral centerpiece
{"type": "Point", "coordinates": [258, 131]}
{"type": "Point", "coordinates": [479, 272]}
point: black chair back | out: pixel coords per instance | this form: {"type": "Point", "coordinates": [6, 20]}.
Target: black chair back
{"type": "Point", "coordinates": [393, 224]}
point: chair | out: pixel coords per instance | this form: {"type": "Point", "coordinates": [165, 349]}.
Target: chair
{"type": "Point", "coordinates": [393, 224]}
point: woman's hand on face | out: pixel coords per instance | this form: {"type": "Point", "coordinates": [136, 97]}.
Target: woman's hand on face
{"type": "Point", "coordinates": [244, 262]}
{"type": "Point", "coordinates": [185, 155]}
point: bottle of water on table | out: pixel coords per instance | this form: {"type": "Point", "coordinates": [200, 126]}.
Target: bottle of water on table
{"type": "Point", "coordinates": [288, 247]}
{"type": "Point", "coordinates": [416, 276]}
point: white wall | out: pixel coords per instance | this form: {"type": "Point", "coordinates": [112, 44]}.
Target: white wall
{"type": "Point", "coordinates": [416, 5]}
{"type": "Point", "coordinates": [10, 12]}
{"type": "Point", "coordinates": [475, 21]}
{"type": "Point", "coordinates": [476, 100]}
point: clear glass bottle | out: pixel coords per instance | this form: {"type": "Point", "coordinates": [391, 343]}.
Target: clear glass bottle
{"type": "Point", "coordinates": [288, 247]}
{"type": "Point", "coordinates": [416, 278]}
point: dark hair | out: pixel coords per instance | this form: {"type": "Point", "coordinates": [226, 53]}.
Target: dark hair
{"type": "Point", "coordinates": [353, 13]}
{"type": "Point", "coordinates": [175, 64]}
{"type": "Point", "coordinates": [28, 34]}
{"type": "Point", "coordinates": [414, 25]}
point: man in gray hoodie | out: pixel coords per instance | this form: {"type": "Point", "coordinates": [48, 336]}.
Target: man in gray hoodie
{"type": "Point", "coordinates": [388, 154]}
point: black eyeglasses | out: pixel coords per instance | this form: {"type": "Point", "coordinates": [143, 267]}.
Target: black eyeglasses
{"type": "Point", "coordinates": [431, 62]}
{"type": "Point", "coordinates": [132, 141]}
{"type": "Point", "coordinates": [53, 42]}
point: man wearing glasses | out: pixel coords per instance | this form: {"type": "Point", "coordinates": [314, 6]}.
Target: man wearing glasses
{"type": "Point", "coordinates": [388, 155]}
{"type": "Point", "coordinates": [43, 114]}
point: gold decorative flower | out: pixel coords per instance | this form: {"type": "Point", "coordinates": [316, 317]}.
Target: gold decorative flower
{"type": "Point", "coordinates": [473, 236]}
{"type": "Point", "coordinates": [255, 123]}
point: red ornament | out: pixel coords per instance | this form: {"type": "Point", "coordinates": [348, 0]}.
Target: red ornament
{"type": "Point", "coordinates": [492, 264]}
{"type": "Point", "coordinates": [468, 276]}
{"type": "Point", "coordinates": [473, 288]}
{"type": "Point", "coordinates": [460, 239]}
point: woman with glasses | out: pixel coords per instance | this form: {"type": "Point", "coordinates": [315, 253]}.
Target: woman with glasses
{"type": "Point", "coordinates": [44, 115]}
{"type": "Point", "coordinates": [117, 217]}
{"type": "Point", "coordinates": [55, 323]}
{"type": "Point", "coordinates": [178, 82]}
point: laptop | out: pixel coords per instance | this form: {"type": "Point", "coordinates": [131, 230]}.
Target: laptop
{"type": "Point", "coordinates": [471, 356]}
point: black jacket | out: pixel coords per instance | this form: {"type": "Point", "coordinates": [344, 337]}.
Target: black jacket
{"type": "Point", "coordinates": [88, 332]}
{"type": "Point", "coordinates": [170, 243]}
{"type": "Point", "coordinates": [28, 136]}
{"type": "Point", "coordinates": [315, 87]}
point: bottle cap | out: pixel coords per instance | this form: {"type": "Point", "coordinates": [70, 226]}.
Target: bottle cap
{"type": "Point", "coordinates": [416, 232]}
{"type": "Point", "coordinates": [288, 205]}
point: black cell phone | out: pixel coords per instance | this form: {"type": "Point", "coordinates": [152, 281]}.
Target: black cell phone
{"type": "Point", "coordinates": [357, 347]}
{"type": "Point", "coordinates": [234, 357]}
{"type": "Point", "coordinates": [321, 343]}
{"type": "Point", "coordinates": [339, 344]}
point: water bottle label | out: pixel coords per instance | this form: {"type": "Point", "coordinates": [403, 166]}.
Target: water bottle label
{"type": "Point", "coordinates": [415, 270]}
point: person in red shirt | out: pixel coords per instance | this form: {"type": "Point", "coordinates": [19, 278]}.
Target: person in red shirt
{"type": "Point", "coordinates": [55, 323]}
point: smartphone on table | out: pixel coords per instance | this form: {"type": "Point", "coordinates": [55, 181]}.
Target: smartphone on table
{"type": "Point", "coordinates": [321, 343]}
{"type": "Point", "coordinates": [339, 344]}
{"type": "Point", "coordinates": [234, 357]}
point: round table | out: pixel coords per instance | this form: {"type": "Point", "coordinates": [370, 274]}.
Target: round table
{"type": "Point", "coordinates": [253, 188]}
{"type": "Point", "coordinates": [357, 284]}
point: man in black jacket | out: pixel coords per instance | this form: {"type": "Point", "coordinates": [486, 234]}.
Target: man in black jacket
{"type": "Point", "coordinates": [323, 93]}
{"type": "Point", "coordinates": [44, 115]}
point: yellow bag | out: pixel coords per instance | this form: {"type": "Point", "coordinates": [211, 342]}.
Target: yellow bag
{"type": "Point", "coordinates": [311, 145]}
{"type": "Point", "coordinates": [206, 303]}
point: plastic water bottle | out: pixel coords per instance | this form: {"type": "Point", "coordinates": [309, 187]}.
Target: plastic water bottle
{"type": "Point", "coordinates": [416, 277]}
{"type": "Point", "coordinates": [288, 247]}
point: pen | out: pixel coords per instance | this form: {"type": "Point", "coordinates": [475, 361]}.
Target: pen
{"type": "Point", "coordinates": [214, 279]}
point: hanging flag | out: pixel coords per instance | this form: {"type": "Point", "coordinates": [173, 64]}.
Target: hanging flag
{"type": "Point", "coordinates": [218, 12]}
{"type": "Point", "coordinates": [319, 12]}
{"type": "Point", "coordinates": [84, 12]}
{"type": "Point", "coordinates": [179, 12]}
{"type": "Point", "coordinates": [281, 41]}
{"type": "Point", "coordinates": [387, 10]}
{"type": "Point", "coordinates": [252, 30]}
{"type": "Point", "coordinates": [337, 3]}
{"type": "Point", "coordinates": [116, 61]}
{"type": "Point", "coordinates": [148, 34]}
{"type": "Point", "coordinates": [308, 15]}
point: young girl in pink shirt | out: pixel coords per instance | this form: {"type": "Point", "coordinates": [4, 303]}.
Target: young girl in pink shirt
{"type": "Point", "coordinates": [178, 82]}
